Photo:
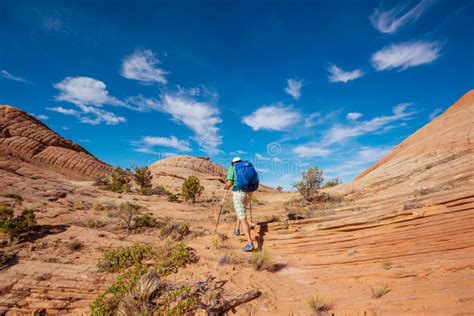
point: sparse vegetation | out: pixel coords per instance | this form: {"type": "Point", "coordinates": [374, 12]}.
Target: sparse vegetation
{"type": "Point", "coordinates": [228, 258]}
{"type": "Point", "coordinates": [172, 197]}
{"type": "Point", "coordinates": [142, 177]}
{"type": "Point", "coordinates": [16, 226]}
{"type": "Point", "coordinates": [438, 188]}
{"type": "Point", "coordinates": [310, 182]}
{"type": "Point", "coordinates": [146, 220]}
{"type": "Point", "coordinates": [118, 259]}
{"type": "Point", "coordinates": [174, 255]}
{"type": "Point", "coordinates": [94, 223]}
{"type": "Point", "coordinates": [332, 183]}
{"type": "Point", "coordinates": [215, 241]}
{"type": "Point", "coordinates": [160, 190]}
{"type": "Point", "coordinates": [387, 264]}
{"type": "Point", "coordinates": [262, 260]}
{"type": "Point", "coordinates": [380, 291]}
{"type": "Point", "coordinates": [76, 245]}
{"type": "Point", "coordinates": [191, 189]}
{"type": "Point", "coordinates": [120, 180]}
{"type": "Point", "coordinates": [319, 305]}
{"type": "Point", "coordinates": [127, 211]}
{"type": "Point", "coordinates": [279, 188]}
{"type": "Point", "coordinates": [182, 229]}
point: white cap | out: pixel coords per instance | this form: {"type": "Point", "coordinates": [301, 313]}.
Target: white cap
{"type": "Point", "coordinates": [236, 159]}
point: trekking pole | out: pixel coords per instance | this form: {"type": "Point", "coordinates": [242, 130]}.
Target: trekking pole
{"type": "Point", "coordinates": [220, 211]}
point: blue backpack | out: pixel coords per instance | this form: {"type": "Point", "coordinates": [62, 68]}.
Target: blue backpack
{"type": "Point", "coordinates": [247, 176]}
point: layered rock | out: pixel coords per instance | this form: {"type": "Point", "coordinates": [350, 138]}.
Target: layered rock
{"type": "Point", "coordinates": [171, 172]}
{"type": "Point", "coordinates": [24, 136]}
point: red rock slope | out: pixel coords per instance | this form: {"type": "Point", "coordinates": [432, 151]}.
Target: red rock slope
{"type": "Point", "coordinates": [23, 136]}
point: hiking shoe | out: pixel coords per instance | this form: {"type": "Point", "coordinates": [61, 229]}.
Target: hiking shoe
{"type": "Point", "coordinates": [248, 247]}
{"type": "Point", "coordinates": [236, 232]}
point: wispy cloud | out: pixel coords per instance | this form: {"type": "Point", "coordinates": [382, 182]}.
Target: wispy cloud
{"type": "Point", "coordinates": [7, 75]}
{"type": "Point", "coordinates": [171, 142]}
{"type": "Point", "coordinates": [390, 21]}
{"type": "Point", "coordinates": [353, 116]}
{"type": "Point", "coordinates": [201, 117]}
{"type": "Point", "coordinates": [311, 151]}
{"type": "Point", "coordinates": [41, 117]}
{"type": "Point", "coordinates": [435, 113]}
{"type": "Point", "coordinates": [339, 75]}
{"type": "Point", "coordinates": [87, 94]}
{"type": "Point", "coordinates": [276, 117]}
{"type": "Point", "coordinates": [84, 91]}
{"type": "Point", "coordinates": [340, 133]}
{"type": "Point", "coordinates": [406, 55]}
{"type": "Point", "coordinates": [142, 66]}
{"type": "Point", "coordinates": [293, 88]}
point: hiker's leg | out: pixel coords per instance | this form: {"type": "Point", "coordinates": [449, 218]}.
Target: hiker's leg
{"type": "Point", "coordinates": [237, 224]}
{"type": "Point", "coordinates": [246, 229]}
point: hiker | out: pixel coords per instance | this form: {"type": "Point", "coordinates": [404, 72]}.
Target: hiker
{"type": "Point", "coordinates": [243, 179]}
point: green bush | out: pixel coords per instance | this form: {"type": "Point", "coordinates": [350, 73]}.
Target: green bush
{"type": "Point", "coordinates": [142, 177]}
{"type": "Point", "coordinates": [127, 211]}
{"type": "Point", "coordinates": [172, 197]}
{"type": "Point", "coordinates": [262, 260]}
{"type": "Point", "coordinates": [146, 220]}
{"type": "Point", "coordinates": [118, 259]}
{"type": "Point", "coordinates": [332, 183]}
{"type": "Point", "coordinates": [15, 226]}
{"type": "Point", "coordinates": [191, 189]}
{"type": "Point", "coordinates": [174, 255]}
{"type": "Point", "coordinates": [310, 182]}
{"type": "Point", "coordinates": [120, 180]}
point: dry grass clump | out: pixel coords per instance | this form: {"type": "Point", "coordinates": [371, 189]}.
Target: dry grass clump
{"type": "Point", "coordinates": [229, 258]}
{"type": "Point", "coordinates": [380, 291]}
{"type": "Point", "coordinates": [139, 299]}
{"type": "Point", "coordinates": [319, 305]}
{"type": "Point", "coordinates": [262, 260]}
{"type": "Point", "coordinates": [76, 245]}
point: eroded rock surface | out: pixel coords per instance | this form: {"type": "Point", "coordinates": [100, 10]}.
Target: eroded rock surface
{"type": "Point", "coordinates": [24, 136]}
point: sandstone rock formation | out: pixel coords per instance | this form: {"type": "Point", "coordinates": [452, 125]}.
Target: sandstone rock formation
{"type": "Point", "coordinates": [24, 136]}
{"type": "Point", "coordinates": [171, 172]}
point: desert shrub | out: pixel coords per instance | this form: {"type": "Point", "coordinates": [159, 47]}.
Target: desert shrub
{"type": "Point", "coordinates": [191, 189]}
{"type": "Point", "coordinates": [146, 220]}
{"type": "Point", "coordinates": [118, 259]}
{"type": "Point", "coordinates": [310, 182]}
{"type": "Point", "coordinates": [172, 197]}
{"type": "Point", "coordinates": [142, 177]}
{"type": "Point", "coordinates": [15, 226]}
{"type": "Point", "coordinates": [380, 291]}
{"type": "Point", "coordinates": [279, 188]}
{"type": "Point", "coordinates": [228, 258]}
{"type": "Point", "coordinates": [182, 229]}
{"type": "Point", "coordinates": [76, 245]}
{"type": "Point", "coordinates": [215, 241]}
{"type": "Point", "coordinates": [166, 230]}
{"type": "Point", "coordinates": [174, 255]}
{"type": "Point", "coordinates": [94, 223]}
{"type": "Point", "coordinates": [323, 197]}
{"type": "Point", "coordinates": [102, 182]}
{"type": "Point", "coordinates": [127, 211]}
{"type": "Point", "coordinates": [319, 305]}
{"type": "Point", "coordinates": [160, 190]}
{"type": "Point", "coordinates": [139, 299]}
{"type": "Point", "coordinates": [17, 198]}
{"type": "Point", "coordinates": [262, 260]}
{"type": "Point", "coordinates": [332, 183]}
{"type": "Point", "coordinates": [120, 180]}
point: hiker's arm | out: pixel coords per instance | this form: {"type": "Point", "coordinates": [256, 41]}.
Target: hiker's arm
{"type": "Point", "coordinates": [228, 184]}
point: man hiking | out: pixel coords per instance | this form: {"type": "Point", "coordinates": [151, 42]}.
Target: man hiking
{"type": "Point", "coordinates": [243, 179]}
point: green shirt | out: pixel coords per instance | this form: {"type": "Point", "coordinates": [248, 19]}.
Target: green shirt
{"type": "Point", "coordinates": [232, 176]}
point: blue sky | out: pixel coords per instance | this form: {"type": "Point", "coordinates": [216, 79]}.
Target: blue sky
{"type": "Point", "coordinates": [286, 84]}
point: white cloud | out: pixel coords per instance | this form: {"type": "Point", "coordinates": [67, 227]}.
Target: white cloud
{"type": "Point", "coordinates": [84, 91]}
{"type": "Point", "coordinates": [172, 142]}
{"type": "Point", "coordinates": [406, 55]}
{"type": "Point", "coordinates": [392, 20]}
{"type": "Point", "coordinates": [95, 116]}
{"type": "Point", "coordinates": [64, 111]}
{"type": "Point", "coordinates": [340, 133]}
{"type": "Point", "coordinates": [293, 88]}
{"type": "Point", "coordinates": [435, 113]}
{"type": "Point", "coordinates": [201, 117]}
{"type": "Point", "coordinates": [142, 66]}
{"type": "Point", "coordinates": [41, 117]}
{"type": "Point", "coordinates": [275, 117]}
{"type": "Point", "coordinates": [311, 151]}
{"type": "Point", "coordinates": [353, 116]}
{"type": "Point", "coordinates": [339, 75]}
{"type": "Point", "coordinates": [142, 104]}
{"type": "Point", "coordinates": [7, 75]}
